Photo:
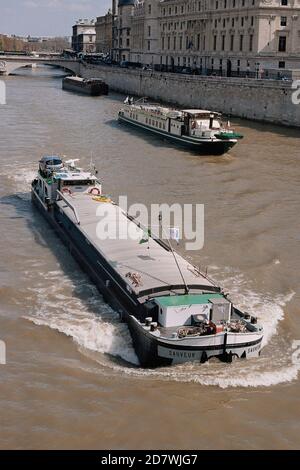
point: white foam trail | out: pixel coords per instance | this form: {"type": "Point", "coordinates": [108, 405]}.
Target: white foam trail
{"type": "Point", "coordinates": [267, 307]}
{"type": "Point", "coordinates": [94, 326]}
{"type": "Point", "coordinates": [246, 374]}
{"type": "Point", "coordinates": [90, 322]}
{"type": "Point", "coordinates": [94, 334]}
{"type": "Point", "coordinates": [20, 175]}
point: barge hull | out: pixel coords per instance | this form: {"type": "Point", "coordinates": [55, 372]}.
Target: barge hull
{"type": "Point", "coordinates": [155, 352]}
{"type": "Point", "coordinates": [152, 351]}
{"type": "Point", "coordinates": [204, 148]}
{"type": "Point", "coordinates": [91, 90]}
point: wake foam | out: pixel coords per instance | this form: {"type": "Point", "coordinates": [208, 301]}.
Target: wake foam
{"type": "Point", "coordinates": [20, 175]}
{"type": "Point", "coordinates": [83, 316]}
{"type": "Point", "coordinates": [74, 308]}
{"type": "Point", "coordinates": [267, 307]}
{"type": "Point", "coordinates": [240, 374]}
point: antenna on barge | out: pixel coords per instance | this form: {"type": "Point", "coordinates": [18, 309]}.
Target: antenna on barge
{"type": "Point", "coordinates": [92, 165]}
{"type": "Point", "coordinates": [187, 290]}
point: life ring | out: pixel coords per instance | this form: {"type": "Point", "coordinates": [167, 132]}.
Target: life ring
{"type": "Point", "coordinates": [67, 190]}
{"type": "Point", "coordinates": [95, 192]}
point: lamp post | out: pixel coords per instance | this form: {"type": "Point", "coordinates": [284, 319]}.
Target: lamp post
{"type": "Point", "coordinates": [257, 66]}
{"type": "Point", "coordinates": [114, 17]}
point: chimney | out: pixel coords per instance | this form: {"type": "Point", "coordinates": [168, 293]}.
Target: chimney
{"type": "Point", "coordinates": [114, 8]}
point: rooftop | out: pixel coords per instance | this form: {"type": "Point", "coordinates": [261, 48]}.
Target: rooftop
{"type": "Point", "coordinates": [200, 111]}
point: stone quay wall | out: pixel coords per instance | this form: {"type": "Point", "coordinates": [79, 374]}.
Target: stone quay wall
{"type": "Point", "coordinates": [261, 100]}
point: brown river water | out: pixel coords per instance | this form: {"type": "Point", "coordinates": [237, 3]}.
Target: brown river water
{"type": "Point", "coordinates": [72, 379]}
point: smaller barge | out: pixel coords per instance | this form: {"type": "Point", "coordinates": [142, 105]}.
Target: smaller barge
{"type": "Point", "coordinates": [89, 86]}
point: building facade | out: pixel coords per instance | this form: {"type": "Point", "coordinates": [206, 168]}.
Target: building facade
{"type": "Point", "coordinates": [229, 37]}
{"type": "Point", "coordinates": [103, 28]}
{"type": "Point", "coordinates": [84, 36]}
{"type": "Point", "coordinates": [122, 26]}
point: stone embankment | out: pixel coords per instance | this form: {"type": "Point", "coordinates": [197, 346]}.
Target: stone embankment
{"type": "Point", "coordinates": [262, 100]}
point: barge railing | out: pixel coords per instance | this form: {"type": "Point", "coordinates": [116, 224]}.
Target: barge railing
{"type": "Point", "coordinates": [70, 206]}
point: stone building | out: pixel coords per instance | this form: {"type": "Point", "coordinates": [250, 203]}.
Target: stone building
{"type": "Point", "coordinates": [138, 34]}
{"type": "Point", "coordinates": [228, 37]}
{"type": "Point", "coordinates": [103, 28]}
{"type": "Point", "coordinates": [122, 30]}
{"type": "Point", "coordinates": [84, 36]}
{"type": "Point", "coordinates": [145, 33]}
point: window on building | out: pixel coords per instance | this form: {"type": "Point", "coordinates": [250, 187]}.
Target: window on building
{"type": "Point", "coordinates": [241, 42]}
{"type": "Point", "coordinates": [282, 44]}
{"type": "Point", "coordinates": [223, 43]}
{"type": "Point", "coordinates": [283, 21]}
{"type": "Point", "coordinates": [251, 42]}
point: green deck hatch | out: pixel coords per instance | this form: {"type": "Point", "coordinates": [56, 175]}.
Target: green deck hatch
{"type": "Point", "coordinates": [180, 300]}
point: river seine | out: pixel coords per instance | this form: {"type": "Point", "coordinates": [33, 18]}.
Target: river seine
{"type": "Point", "coordinates": [72, 379]}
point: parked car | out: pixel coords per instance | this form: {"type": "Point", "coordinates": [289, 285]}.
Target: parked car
{"type": "Point", "coordinates": [187, 71]}
{"type": "Point", "coordinates": [124, 64]}
{"type": "Point", "coordinates": [147, 68]}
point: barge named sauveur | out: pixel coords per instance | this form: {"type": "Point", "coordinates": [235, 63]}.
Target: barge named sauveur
{"type": "Point", "coordinates": [89, 86]}
{"type": "Point", "coordinates": [171, 321]}
{"type": "Point", "coordinates": [199, 130]}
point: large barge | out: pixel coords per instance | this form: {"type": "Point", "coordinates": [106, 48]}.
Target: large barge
{"type": "Point", "coordinates": [88, 86]}
{"type": "Point", "coordinates": [170, 320]}
{"type": "Point", "coordinates": [200, 130]}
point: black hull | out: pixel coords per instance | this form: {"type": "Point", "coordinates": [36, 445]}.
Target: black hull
{"type": "Point", "coordinates": [91, 90]}
{"type": "Point", "coordinates": [202, 148]}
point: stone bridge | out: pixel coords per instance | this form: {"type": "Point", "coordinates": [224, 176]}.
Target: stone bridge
{"type": "Point", "coordinates": [9, 64]}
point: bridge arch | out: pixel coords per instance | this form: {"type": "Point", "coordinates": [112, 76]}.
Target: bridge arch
{"type": "Point", "coordinates": [10, 66]}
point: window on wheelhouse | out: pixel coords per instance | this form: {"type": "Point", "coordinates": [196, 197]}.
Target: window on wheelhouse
{"type": "Point", "coordinates": [79, 183]}
{"type": "Point", "coordinates": [205, 123]}
{"type": "Point", "coordinates": [54, 162]}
